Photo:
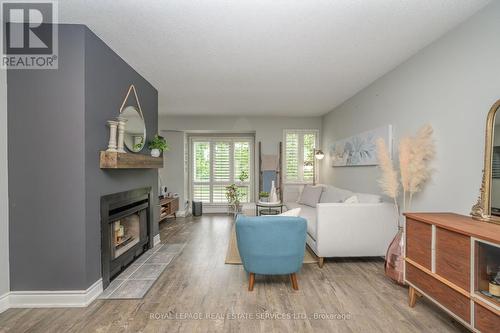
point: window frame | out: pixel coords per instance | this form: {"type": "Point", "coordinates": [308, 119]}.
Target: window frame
{"type": "Point", "coordinates": [300, 167]}
{"type": "Point", "coordinates": [231, 139]}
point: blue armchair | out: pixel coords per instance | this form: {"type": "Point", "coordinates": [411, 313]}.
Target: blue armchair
{"type": "Point", "coordinates": [271, 245]}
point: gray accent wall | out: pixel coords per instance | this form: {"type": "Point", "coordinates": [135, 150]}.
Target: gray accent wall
{"type": "Point", "coordinates": [56, 127]}
{"type": "Point", "coordinates": [451, 84]}
{"type": "Point", "coordinates": [46, 110]}
{"type": "Point", "coordinates": [107, 79]}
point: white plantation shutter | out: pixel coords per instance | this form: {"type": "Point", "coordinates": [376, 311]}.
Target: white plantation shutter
{"type": "Point", "coordinates": [222, 162]}
{"type": "Point", "coordinates": [299, 155]}
{"type": "Point", "coordinates": [218, 162]}
{"type": "Point", "coordinates": [292, 156]}
{"type": "Point", "coordinates": [241, 159]}
{"type": "Point", "coordinates": [201, 171]}
{"type": "Point", "coordinates": [309, 143]}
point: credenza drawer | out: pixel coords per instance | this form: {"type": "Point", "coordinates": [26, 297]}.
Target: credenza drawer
{"type": "Point", "coordinates": [453, 257]}
{"type": "Point", "coordinates": [419, 242]}
{"type": "Point", "coordinates": [440, 292]}
{"type": "Point", "coordinates": [485, 320]}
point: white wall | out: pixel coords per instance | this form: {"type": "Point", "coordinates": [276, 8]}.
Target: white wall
{"type": "Point", "coordinates": [172, 174]}
{"type": "Point", "coordinates": [451, 84]}
{"type": "Point", "coordinates": [268, 130]}
{"type": "Point", "coordinates": [4, 206]}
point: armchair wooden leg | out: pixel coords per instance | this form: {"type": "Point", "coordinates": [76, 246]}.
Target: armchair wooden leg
{"type": "Point", "coordinates": [251, 281]}
{"type": "Point", "coordinates": [321, 262]}
{"type": "Point", "coordinates": [295, 285]}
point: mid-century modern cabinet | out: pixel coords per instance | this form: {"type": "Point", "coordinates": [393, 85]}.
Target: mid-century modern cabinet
{"type": "Point", "coordinates": [168, 207]}
{"type": "Point", "coordinates": [450, 259]}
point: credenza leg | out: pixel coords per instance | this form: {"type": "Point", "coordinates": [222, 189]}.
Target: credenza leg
{"type": "Point", "coordinates": [413, 294]}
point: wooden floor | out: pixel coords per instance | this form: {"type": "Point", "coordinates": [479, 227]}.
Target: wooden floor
{"type": "Point", "coordinates": [353, 294]}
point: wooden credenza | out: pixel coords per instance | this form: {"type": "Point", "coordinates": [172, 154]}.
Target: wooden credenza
{"type": "Point", "coordinates": [447, 259]}
{"type": "Point", "coordinates": [168, 207]}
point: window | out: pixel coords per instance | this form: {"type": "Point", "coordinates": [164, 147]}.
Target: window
{"type": "Point", "coordinates": [217, 162]}
{"type": "Point", "coordinates": [299, 155]}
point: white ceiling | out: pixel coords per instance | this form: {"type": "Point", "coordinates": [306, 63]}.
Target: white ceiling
{"type": "Point", "coordinates": [262, 57]}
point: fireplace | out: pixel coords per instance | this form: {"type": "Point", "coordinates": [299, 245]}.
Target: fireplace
{"type": "Point", "coordinates": [125, 230]}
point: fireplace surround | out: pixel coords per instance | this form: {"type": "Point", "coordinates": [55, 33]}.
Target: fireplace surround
{"type": "Point", "coordinates": [126, 230]}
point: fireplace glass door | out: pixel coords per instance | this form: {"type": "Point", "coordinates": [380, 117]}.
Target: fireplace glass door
{"type": "Point", "coordinates": [125, 233]}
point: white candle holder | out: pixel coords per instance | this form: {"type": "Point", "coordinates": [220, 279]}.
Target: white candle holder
{"type": "Point", "coordinates": [121, 134]}
{"type": "Point", "coordinates": [112, 135]}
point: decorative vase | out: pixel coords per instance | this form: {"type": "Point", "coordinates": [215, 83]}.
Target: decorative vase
{"type": "Point", "coordinates": [394, 258]}
{"type": "Point", "coordinates": [155, 152]}
{"type": "Point", "coordinates": [273, 197]}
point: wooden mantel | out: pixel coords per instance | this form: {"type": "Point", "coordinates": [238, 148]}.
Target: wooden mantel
{"type": "Point", "coordinates": [115, 160]}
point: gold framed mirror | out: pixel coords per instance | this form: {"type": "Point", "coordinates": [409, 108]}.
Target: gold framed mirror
{"type": "Point", "coordinates": [487, 207]}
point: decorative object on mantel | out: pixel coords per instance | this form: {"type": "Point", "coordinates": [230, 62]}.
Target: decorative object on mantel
{"type": "Point", "coordinates": [135, 132]}
{"type": "Point", "coordinates": [116, 160]}
{"type": "Point", "coordinates": [113, 125]}
{"type": "Point", "coordinates": [360, 149]}
{"type": "Point", "coordinates": [121, 134]}
{"type": "Point", "coordinates": [158, 145]}
{"type": "Point", "coordinates": [415, 154]}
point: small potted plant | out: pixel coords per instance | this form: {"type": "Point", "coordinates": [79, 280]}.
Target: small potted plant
{"type": "Point", "coordinates": [264, 196]}
{"type": "Point", "coordinates": [158, 145]}
{"type": "Point", "coordinates": [233, 196]}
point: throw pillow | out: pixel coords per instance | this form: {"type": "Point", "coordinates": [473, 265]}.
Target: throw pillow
{"type": "Point", "coordinates": [310, 195]}
{"type": "Point", "coordinates": [334, 194]}
{"type": "Point", "coordinates": [352, 200]}
{"type": "Point", "coordinates": [369, 198]}
{"type": "Point", "coordinates": [292, 212]}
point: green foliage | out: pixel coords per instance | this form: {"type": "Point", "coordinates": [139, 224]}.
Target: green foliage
{"type": "Point", "coordinates": [158, 142]}
{"type": "Point", "coordinates": [264, 194]}
{"type": "Point", "coordinates": [233, 194]}
{"type": "Point", "coordinates": [138, 146]}
{"type": "Point", "coordinates": [243, 176]}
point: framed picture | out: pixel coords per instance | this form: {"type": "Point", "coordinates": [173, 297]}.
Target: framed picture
{"type": "Point", "coordinates": [360, 149]}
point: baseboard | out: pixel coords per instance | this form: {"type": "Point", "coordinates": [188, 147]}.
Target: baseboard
{"type": "Point", "coordinates": [4, 302]}
{"type": "Point", "coordinates": [55, 299]}
{"type": "Point", "coordinates": [156, 240]}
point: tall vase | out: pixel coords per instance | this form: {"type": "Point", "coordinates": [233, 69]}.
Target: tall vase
{"type": "Point", "coordinates": [273, 196]}
{"type": "Point", "coordinates": [394, 258]}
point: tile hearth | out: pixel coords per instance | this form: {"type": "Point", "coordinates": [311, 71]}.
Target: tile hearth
{"type": "Point", "coordinates": [135, 281]}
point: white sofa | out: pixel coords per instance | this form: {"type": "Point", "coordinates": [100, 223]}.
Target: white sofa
{"type": "Point", "coordinates": [338, 229]}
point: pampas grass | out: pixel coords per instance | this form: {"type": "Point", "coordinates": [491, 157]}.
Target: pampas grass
{"type": "Point", "coordinates": [389, 180]}
{"type": "Point", "coordinates": [415, 156]}
{"type": "Point", "coordinates": [422, 152]}
{"type": "Point", "coordinates": [404, 166]}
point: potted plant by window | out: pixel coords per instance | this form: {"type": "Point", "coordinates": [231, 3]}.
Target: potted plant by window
{"type": "Point", "coordinates": [158, 145]}
{"type": "Point", "coordinates": [264, 196]}
{"type": "Point", "coordinates": [233, 196]}
{"type": "Point", "coordinates": [234, 193]}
